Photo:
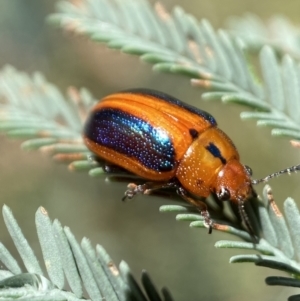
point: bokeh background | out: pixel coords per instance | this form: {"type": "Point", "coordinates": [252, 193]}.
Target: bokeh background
{"type": "Point", "coordinates": [180, 258]}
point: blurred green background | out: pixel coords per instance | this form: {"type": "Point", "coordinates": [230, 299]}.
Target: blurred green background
{"type": "Point", "coordinates": [180, 258]}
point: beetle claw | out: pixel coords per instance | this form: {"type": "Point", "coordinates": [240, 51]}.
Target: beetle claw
{"type": "Point", "coordinates": [147, 191]}
{"type": "Point", "coordinates": [208, 223]}
{"type": "Point", "coordinates": [133, 189]}
{"type": "Point", "coordinates": [130, 192]}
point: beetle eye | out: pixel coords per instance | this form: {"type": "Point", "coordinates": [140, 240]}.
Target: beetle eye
{"type": "Point", "coordinates": [249, 170]}
{"type": "Point", "coordinates": [224, 194]}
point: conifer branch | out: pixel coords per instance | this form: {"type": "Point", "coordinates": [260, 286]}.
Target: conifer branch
{"type": "Point", "coordinates": [279, 237]}
{"type": "Point", "coordinates": [173, 42]}
{"type": "Point", "coordinates": [35, 110]}
{"type": "Point", "coordinates": [176, 42]}
{"type": "Point", "coordinates": [80, 265]}
{"type": "Point", "coordinates": [278, 32]}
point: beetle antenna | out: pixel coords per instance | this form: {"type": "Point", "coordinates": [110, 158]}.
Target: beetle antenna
{"type": "Point", "coordinates": [289, 170]}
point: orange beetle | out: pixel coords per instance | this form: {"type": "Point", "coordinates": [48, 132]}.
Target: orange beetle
{"type": "Point", "coordinates": [170, 143]}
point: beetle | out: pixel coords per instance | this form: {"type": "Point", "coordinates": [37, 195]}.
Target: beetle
{"type": "Point", "coordinates": [171, 145]}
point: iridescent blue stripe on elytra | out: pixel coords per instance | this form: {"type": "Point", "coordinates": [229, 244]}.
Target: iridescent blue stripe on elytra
{"type": "Point", "coordinates": [213, 149]}
{"type": "Point", "coordinates": [133, 137]}
{"type": "Point", "coordinates": [175, 101]}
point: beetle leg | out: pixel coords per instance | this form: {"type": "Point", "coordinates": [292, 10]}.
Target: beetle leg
{"type": "Point", "coordinates": [201, 206]}
{"type": "Point", "coordinates": [134, 189]}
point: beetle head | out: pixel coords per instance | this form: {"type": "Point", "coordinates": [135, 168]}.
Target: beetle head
{"type": "Point", "coordinates": [234, 182]}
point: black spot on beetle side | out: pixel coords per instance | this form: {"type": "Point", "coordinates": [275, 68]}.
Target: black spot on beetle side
{"type": "Point", "coordinates": [194, 133]}
{"type": "Point", "coordinates": [213, 149]}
